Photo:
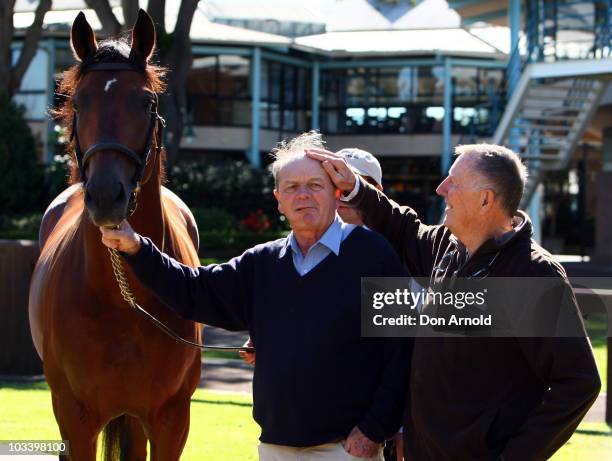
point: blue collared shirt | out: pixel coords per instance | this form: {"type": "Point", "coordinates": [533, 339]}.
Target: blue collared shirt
{"type": "Point", "coordinates": [329, 242]}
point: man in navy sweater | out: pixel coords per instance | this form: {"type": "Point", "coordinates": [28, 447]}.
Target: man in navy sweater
{"type": "Point", "coordinates": [368, 167]}
{"type": "Point", "coordinates": [320, 390]}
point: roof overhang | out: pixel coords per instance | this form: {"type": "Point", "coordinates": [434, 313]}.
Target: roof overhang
{"type": "Point", "coordinates": [472, 11]}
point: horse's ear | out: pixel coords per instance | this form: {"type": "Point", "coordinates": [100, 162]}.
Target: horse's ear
{"type": "Point", "coordinates": [83, 38]}
{"type": "Point", "coordinates": [143, 36]}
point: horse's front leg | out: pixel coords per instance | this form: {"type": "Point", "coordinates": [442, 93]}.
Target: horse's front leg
{"type": "Point", "coordinates": [169, 428]}
{"type": "Point", "coordinates": [77, 424]}
{"type": "Point", "coordinates": [138, 441]}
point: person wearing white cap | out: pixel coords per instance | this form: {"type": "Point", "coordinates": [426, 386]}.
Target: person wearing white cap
{"type": "Point", "coordinates": [365, 165]}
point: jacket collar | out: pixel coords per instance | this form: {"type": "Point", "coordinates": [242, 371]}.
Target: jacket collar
{"type": "Point", "coordinates": [521, 229]}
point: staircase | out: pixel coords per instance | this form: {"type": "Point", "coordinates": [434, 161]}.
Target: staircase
{"type": "Point", "coordinates": [549, 110]}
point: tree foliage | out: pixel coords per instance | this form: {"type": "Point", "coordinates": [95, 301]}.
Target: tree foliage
{"type": "Point", "coordinates": [22, 188]}
{"type": "Point", "coordinates": [237, 187]}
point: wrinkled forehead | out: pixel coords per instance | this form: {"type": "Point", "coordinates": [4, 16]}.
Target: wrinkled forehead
{"type": "Point", "coordinates": [464, 167]}
{"type": "Point", "coordinates": [301, 168]}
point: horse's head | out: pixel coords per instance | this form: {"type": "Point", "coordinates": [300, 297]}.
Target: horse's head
{"type": "Point", "coordinates": [114, 117]}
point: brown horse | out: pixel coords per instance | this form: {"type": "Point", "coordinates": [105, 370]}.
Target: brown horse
{"type": "Point", "coordinates": [107, 366]}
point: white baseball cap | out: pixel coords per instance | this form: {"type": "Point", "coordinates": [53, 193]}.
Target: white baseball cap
{"type": "Point", "coordinates": [363, 163]}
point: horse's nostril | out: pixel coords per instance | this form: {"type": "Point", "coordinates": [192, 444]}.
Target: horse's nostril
{"type": "Point", "coordinates": [105, 196]}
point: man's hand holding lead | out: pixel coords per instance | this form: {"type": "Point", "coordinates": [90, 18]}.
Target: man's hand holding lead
{"type": "Point", "coordinates": [122, 239]}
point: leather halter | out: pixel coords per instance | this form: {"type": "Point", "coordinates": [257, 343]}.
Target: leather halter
{"type": "Point", "coordinates": [156, 126]}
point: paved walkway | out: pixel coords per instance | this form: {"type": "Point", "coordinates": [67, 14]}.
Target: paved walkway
{"type": "Point", "coordinates": [597, 413]}
{"type": "Point", "coordinates": [233, 375]}
{"type": "Point", "coordinates": [236, 376]}
{"type": "Point", "coordinates": [226, 374]}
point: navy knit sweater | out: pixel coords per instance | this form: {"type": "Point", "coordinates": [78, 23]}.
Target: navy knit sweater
{"type": "Point", "coordinates": [316, 378]}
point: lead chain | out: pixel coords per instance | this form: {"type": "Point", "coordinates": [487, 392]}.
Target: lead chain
{"type": "Point", "coordinates": [122, 281]}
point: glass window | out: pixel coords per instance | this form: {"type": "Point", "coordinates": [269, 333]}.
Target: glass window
{"type": "Point", "coordinates": [275, 116]}
{"type": "Point", "coordinates": [404, 99]}
{"type": "Point", "coordinates": [35, 104]}
{"type": "Point", "coordinates": [275, 81]}
{"type": "Point", "coordinates": [219, 90]}
{"type": "Point", "coordinates": [233, 76]}
{"type": "Point", "coordinates": [32, 93]}
{"type": "Point", "coordinates": [289, 120]}
{"type": "Point", "coordinates": [356, 87]}
{"type": "Point", "coordinates": [265, 80]}
{"type": "Point", "coordinates": [63, 60]}
{"type": "Point", "coordinates": [407, 84]}
{"type": "Point", "coordinates": [35, 77]}
{"type": "Point", "coordinates": [286, 102]}
{"type": "Point", "coordinates": [202, 78]}
{"type": "Point", "coordinates": [289, 85]}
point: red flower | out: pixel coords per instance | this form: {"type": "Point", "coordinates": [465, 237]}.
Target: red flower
{"type": "Point", "coordinates": [256, 221]}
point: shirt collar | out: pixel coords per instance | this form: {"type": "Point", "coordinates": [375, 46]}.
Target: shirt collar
{"type": "Point", "coordinates": [331, 238]}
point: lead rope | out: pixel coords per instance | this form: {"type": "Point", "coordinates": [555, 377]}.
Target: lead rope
{"type": "Point", "coordinates": [122, 281]}
{"type": "Point", "coordinates": [128, 296]}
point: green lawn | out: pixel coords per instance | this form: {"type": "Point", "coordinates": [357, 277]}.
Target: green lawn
{"type": "Point", "coordinates": [220, 354]}
{"type": "Point", "coordinates": [591, 442]}
{"type": "Point", "coordinates": [207, 261]}
{"type": "Point", "coordinates": [597, 327]}
{"type": "Point", "coordinates": [221, 425]}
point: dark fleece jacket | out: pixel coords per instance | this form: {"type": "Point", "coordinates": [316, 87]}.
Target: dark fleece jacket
{"type": "Point", "coordinates": [475, 398]}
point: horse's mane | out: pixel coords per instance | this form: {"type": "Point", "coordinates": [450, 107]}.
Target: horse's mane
{"type": "Point", "coordinates": [115, 50]}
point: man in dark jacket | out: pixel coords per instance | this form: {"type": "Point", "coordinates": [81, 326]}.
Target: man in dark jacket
{"type": "Point", "coordinates": [509, 399]}
{"type": "Point", "coordinates": [321, 391]}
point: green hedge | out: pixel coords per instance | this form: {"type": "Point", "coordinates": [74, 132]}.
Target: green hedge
{"type": "Point", "coordinates": [223, 235]}
{"type": "Point", "coordinates": [233, 186]}
{"type": "Point", "coordinates": [224, 243]}
{"type": "Point", "coordinates": [22, 177]}
{"type": "Point", "coordinates": [21, 227]}
{"type": "Point", "coordinates": [232, 202]}
{"type": "Point", "coordinates": [228, 243]}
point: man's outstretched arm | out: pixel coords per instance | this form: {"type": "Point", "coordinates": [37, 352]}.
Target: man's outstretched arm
{"type": "Point", "coordinates": [211, 294]}
{"type": "Point", "coordinates": [413, 241]}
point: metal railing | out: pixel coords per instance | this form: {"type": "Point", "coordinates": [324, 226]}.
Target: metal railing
{"type": "Point", "coordinates": [568, 29]}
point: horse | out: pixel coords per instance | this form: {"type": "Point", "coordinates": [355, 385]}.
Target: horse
{"type": "Point", "coordinates": [109, 368]}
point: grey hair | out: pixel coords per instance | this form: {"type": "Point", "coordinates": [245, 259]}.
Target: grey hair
{"type": "Point", "coordinates": [501, 170]}
{"type": "Point", "coordinates": [286, 151]}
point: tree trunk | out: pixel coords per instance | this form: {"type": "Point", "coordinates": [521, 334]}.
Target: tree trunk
{"type": "Point", "coordinates": [6, 37]}
{"type": "Point", "coordinates": [130, 12]}
{"type": "Point", "coordinates": [29, 47]}
{"type": "Point", "coordinates": [178, 58]}
{"type": "Point", "coordinates": [11, 77]}
{"type": "Point", "coordinates": [105, 14]}
{"type": "Point", "coordinates": [156, 10]}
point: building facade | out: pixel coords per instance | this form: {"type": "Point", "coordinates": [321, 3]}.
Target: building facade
{"type": "Point", "coordinates": [529, 74]}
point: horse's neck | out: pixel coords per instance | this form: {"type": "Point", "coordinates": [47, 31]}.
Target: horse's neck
{"type": "Point", "coordinates": [148, 219]}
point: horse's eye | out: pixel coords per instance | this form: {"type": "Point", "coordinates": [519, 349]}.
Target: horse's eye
{"type": "Point", "coordinates": [75, 106]}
